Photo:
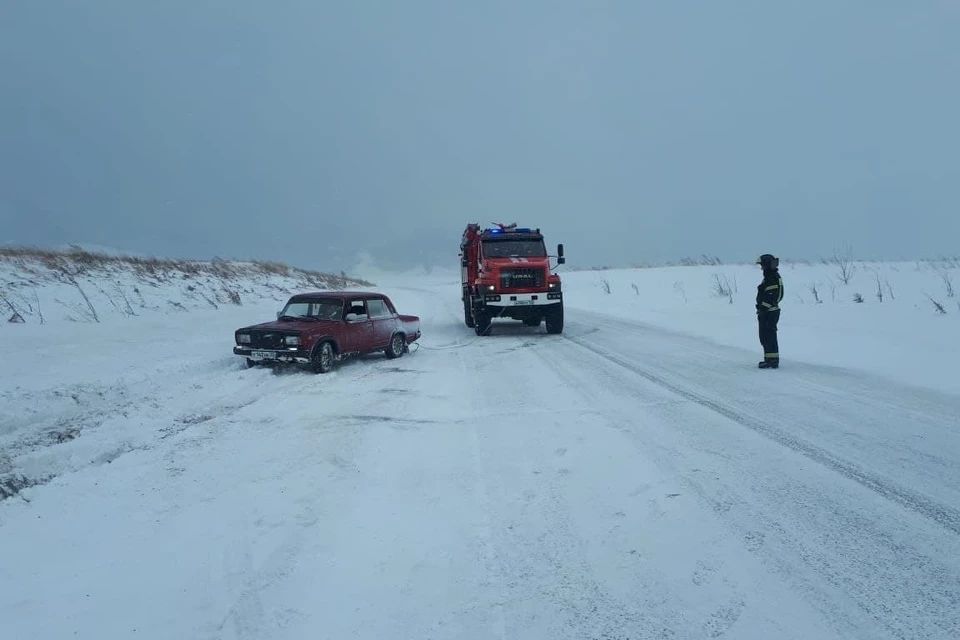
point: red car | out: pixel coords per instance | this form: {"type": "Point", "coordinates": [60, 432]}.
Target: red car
{"type": "Point", "coordinates": [318, 329]}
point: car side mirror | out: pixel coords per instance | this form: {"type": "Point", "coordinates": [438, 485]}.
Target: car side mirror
{"type": "Point", "coordinates": [560, 258]}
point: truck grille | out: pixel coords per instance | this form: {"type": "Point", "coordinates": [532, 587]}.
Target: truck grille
{"type": "Point", "coordinates": [521, 278]}
{"type": "Point", "coordinates": [267, 339]}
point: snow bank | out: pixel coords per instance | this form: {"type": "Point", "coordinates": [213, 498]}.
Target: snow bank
{"type": "Point", "coordinates": [81, 286]}
{"type": "Point", "coordinates": [93, 334]}
{"type": "Point", "coordinates": [896, 319]}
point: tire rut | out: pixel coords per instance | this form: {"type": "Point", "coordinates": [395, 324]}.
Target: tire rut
{"type": "Point", "coordinates": [944, 515]}
{"type": "Point", "coordinates": [199, 404]}
{"type": "Point", "coordinates": [829, 546]}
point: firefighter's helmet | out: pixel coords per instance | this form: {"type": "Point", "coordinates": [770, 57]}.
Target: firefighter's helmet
{"type": "Point", "coordinates": [768, 261]}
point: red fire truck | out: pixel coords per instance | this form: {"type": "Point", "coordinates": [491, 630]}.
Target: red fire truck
{"type": "Point", "coordinates": [506, 273]}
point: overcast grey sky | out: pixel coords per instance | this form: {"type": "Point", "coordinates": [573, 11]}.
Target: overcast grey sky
{"type": "Point", "coordinates": [629, 130]}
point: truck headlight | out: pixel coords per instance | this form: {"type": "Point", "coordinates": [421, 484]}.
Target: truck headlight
{"type": "Point", "coordinates": [491, 287]}
{"type": "Point", "coordinates": [243, 338]}
{"type": "Point", "coordinates": [292, 341]}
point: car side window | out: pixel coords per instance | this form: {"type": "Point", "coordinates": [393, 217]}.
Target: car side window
{"type": "Point", "coordinates": [332, 310]}
{"type": "Point", "coordinates": [377, 308]}
{"type": "Point", "coordinates": [356, 308]}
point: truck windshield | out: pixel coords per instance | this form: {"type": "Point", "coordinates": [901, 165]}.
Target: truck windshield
{"type": "Point", "coordinates": [514, 249]}
{"type": "Point", "coordinates": [319, 309]}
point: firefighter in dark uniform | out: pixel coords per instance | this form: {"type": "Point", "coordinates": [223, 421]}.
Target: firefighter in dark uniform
{"type": "Point", "coordinates": [769, 296]}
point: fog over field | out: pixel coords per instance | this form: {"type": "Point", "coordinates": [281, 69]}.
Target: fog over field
{"type": "Point", "coordinates": [633, 132]}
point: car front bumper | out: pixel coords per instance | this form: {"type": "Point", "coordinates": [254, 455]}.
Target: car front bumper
{"type": "Point", "coordinates": [273, 355]}
{"type": "Point", "coordinates": [522, 299]}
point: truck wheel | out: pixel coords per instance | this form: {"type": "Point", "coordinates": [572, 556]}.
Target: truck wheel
{"type": "Point", "coordinates": [397, 346]}
{"type": "Point", "coordinates": [323, 358]}
{"type": "Point", "coordinates": [467, 314]}
{"type": "Point", "coordinates": [555, 320]}
{"type": "Point", "coordinates": [482, 327]}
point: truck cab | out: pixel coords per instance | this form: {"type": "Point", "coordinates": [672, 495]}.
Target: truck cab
{"type": "Point", "coordinates": [506, 272]}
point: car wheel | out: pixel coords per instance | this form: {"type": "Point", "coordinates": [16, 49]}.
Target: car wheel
{"type": "Point", "coordinates": [323, 358]}
{"type": "Point", "coordinates": [555, 321]}
{"type": "Point", "coordinates": [482, 327]}
{"type": "Point", "coordinates": [397, 346]}
{"type": "Point", "coordinates": [251, 363]}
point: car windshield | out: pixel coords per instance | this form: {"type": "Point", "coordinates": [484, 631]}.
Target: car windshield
{"type": "Point", "coordinates": [318, 309]}
{"type": "Point", "coordinates": [514, 249]}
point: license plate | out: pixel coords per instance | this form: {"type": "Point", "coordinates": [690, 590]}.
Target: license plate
{"type": "Point", "coordinates": [521, 303]}
{"type": "Point", "coordinates": [263, 355]}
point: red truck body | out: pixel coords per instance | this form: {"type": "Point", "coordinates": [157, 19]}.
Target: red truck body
{"type": "Point", "coordinates": [506, 273]}
{"type": "Point", "coordinates": [320, 328]}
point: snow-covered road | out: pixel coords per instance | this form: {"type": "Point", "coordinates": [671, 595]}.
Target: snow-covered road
{"type": "Point", "coordinates": [619, 482]}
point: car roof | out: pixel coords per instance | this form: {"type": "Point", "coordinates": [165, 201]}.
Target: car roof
{"type": "Point", "coordinates": [340, 295]}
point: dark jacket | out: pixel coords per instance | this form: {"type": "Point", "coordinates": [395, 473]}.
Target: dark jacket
{"type": "Point", "coordinates": [770, 292]}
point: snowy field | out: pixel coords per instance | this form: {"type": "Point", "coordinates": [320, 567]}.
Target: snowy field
{"type": "Point", "coordinates": [896, 330]}
{"type": "Point", "coordinates": [636, 477]}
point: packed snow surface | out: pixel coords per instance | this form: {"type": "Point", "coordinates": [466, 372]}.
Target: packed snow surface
{"type": "Point", "coordinates": [635, 477]}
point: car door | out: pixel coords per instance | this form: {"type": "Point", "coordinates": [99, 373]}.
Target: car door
{"type": "Point", "coordinates": [359, 327]}
{"type": "Point", "coordinates": [382, 321]}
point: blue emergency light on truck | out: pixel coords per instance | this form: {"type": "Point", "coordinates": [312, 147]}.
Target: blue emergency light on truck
{"type": "Point", "coordinates": [509, 230]}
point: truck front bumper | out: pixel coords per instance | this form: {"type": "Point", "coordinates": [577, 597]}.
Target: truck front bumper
{"type": "Point", "coordinates": [273, 355]}
{"type": "Point", "coordinates": [522, 299]}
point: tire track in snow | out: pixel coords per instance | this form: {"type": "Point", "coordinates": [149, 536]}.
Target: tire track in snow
{"type": "Point", "coordinates": [485, 525]}
{"type": "Point", "coordinates": [553, 560]}
{"type": "Point", "coordinates": [247, 617]}
{"type": "Point", "coordinates": [732, 600]}
{"type": "Point", "coordinates": [944, 515]}
{"type": "Point", "coordinates": [868, 575]}
{"type": "Point", "coordinates": [249, 614]}
{"type": "Point", "coordinates": [109, 421]}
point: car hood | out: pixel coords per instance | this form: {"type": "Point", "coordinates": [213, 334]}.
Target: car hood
{"type": "Point", "coordinates": [289, 325]}
{"type": "Point", "coordinates": [518, 262]}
